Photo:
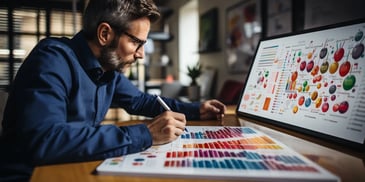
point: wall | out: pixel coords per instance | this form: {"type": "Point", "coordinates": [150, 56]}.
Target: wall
{"type": "Point", "coordinates": [352, 10]}
{"type": "Point", "coordinates": [217, 59]}
{"type": "Point", "coordinates": [214, 60]}
{"type": "Point", "coordinates": [172, 46]}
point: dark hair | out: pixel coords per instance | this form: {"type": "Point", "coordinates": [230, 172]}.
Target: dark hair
{"type": "Point", "coordinates": [118, 13]}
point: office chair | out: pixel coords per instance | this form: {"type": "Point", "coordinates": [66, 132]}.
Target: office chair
{"type": "Point", "coordinates": [230, 92]}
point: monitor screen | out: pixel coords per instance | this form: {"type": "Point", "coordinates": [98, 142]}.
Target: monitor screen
{"type": "Point", "coordinates": [313, 81]}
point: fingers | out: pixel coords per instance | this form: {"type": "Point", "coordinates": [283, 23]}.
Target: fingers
{"type": "Point", "coordinates": [167, 127]}
{"type": "Point", "coordinates": [172, 130]}
{"type": "Point", "coordinates": [219, 105]}
{"type": "Point", "coordinates": [212, 109]}
{"type": "Point", "coordinates": [215, 106]}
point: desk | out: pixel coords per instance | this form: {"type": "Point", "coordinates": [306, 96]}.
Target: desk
{"type": "Point", "coordinates": [349, 165]}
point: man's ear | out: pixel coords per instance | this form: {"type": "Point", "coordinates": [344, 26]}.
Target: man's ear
{"type": "Point", "coordinates": [104, 34]}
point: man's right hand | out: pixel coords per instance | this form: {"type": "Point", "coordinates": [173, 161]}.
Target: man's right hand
{"type": "Point", "coordinates": [167, 127]}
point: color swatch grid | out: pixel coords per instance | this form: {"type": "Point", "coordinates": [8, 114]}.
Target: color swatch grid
{"type": "Point", "coordinates": [242, 160]}
{"type": "Point", "coordinates": [261, 142]}
{"type": "Point", "coordinates": [225, 132]}
{"type": "Point", "coordinates": [265, 165]}
{"type": "Point", "coordinates": [220, 152]}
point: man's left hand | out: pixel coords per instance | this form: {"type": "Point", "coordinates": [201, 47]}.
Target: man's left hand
{"type": "Point", "coordinates": [212, 109]}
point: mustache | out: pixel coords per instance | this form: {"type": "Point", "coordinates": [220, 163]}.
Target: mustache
{"type": "Point", "coordinates": [123, 65]}
{"type": "Point", "coordinates": [110, 60]}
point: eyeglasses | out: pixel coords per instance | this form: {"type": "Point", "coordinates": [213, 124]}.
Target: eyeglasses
{"type": "Point", "coordinates": [136, 40]}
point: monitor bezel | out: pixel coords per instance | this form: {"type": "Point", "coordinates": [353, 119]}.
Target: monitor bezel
{"type": "Point", "coordinates": [306, 131]}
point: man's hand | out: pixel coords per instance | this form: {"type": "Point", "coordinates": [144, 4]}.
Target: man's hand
{"type": "Point", "coordinates": [212, 109]}
{"type": "Point", "coordinates": [167, 127]}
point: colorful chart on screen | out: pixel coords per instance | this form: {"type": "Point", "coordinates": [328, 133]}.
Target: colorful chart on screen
{"type": "Point", "coordinates": [220, 153]}
{"type": "Point", "coordinates": [314, 80]}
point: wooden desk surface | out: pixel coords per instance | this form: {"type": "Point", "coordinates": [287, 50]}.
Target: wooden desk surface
{"type": "Point", "coordinates": [348, 164]}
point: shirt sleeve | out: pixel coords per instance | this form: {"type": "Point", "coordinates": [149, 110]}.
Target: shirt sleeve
{"type": "Point", "coordinates": [136, 102]}
{"type": "Point", "coordinates": [38, 115]}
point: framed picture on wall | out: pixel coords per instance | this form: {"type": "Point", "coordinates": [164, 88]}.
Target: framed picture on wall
{"type": "Point", "coordinates": [243, 31]}
{"type": "Point", "coordinates": [208, 31]}
{"type": "Point", "coordinates": [279, 17]}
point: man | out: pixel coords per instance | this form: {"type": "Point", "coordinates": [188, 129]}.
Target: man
{"type": "Point", "coordinates": [65, 87]}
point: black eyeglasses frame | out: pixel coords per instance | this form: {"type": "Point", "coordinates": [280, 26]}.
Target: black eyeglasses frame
{"type": "Point", "coordinates": [136, 39]}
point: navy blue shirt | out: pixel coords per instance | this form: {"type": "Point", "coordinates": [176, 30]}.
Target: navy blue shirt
{"type": "Point", "coordinates": [57, 102]}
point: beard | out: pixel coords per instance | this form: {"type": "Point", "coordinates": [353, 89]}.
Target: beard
{"type": "Point", "coordinates": [110, 60]}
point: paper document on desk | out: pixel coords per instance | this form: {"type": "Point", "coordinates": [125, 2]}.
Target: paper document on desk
{"type": "Point", "coordinates": [215, 152]}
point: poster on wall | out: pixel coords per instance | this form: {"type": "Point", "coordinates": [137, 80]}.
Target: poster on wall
{"type": "Point", "coordinates": [279, 17]}
{"type": "Point", "coordinates": [338, 11]}
{"type": "Point", "coordinates": [208, 31]}
{"type": "Point", "coordinates": [243, 24]}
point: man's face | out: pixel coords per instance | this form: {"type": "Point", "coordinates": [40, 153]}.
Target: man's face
{"type": "Point", "coordinates": [125, 49]}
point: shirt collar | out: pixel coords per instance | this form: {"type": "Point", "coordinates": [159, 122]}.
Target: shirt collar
{"type": "Point", "coordinates": [88, 61]}
{"type": "Point", "coordinates": [85, 55]}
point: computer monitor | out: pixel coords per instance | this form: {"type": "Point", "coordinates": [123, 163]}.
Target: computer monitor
{"type": "Point", "coordinates": [312, 82]}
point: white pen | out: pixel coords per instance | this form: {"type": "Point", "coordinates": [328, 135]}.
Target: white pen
{"type": "Point", "coordinates": [165, 106]}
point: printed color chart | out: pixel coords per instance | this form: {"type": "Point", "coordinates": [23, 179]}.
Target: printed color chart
{"type": "Point", "coordinates": [220, 153]}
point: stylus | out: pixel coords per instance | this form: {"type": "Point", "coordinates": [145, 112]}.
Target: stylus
{"type": "Point", "coordinates": [165, 106]}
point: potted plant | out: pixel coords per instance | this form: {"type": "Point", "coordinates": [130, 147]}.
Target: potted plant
{"type": "Point", "coordinates": [194, 89]}
{"type": "Point", "coordinates": [194, 72]}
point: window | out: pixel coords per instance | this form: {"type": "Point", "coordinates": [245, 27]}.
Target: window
{"type": "Point", "coordinates": [188, 47]}
{"type": "Point", "coordinates": [22, 28]}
